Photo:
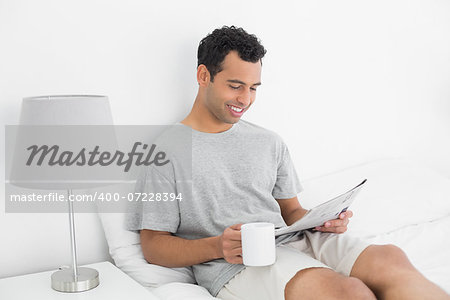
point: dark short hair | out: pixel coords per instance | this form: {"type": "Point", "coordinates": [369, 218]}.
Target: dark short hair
{"type": "Point", "coordinates": [216, 45]}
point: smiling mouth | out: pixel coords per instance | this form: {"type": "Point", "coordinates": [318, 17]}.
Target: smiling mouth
{"type": "Point", "coordinates": [235, 108]}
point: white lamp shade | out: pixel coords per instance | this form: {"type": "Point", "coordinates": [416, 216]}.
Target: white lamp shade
{"type": "Point", "coordinates": [66, 110]}
{"type": "Point", "coordinates": [41, 123]}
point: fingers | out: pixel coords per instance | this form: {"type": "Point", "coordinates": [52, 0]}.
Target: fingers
{"type": "Point", "coordinates": [347, 214]}
{"type": "Point", "coordinates": [337, 225]}
{"type": "Point", "coordinates": [340, 229]}
{"type": "Point", "coordinates": [231, 244]}
{"type": "Point", "coordinates": [236, 260]}
{"type": "Point", "coordinates": [236, 226]}
{"type": "Point", "coordinates": [232, 233]}
{"type": "Point", "coordinates": [236, 251]}
{"type": "Point", "coordinates": [235, 256]}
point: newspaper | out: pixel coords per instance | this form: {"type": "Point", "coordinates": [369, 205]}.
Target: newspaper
{"type": "Point", "coordinates": [326, 211]}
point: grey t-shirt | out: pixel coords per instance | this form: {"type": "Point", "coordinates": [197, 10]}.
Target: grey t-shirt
{"type": "Point", "coordinates": [235, 177]}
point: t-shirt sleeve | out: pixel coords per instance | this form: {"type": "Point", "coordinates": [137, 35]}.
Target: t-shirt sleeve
{"type": "Point", "coordinates": [287, 184]}
{"type": "Point", "coordinates": [158, 208]}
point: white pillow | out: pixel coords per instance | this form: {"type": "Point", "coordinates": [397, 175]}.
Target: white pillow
{"type": "Point", "coordinates": [125, 249]}
{"type": "Point", "coordinates": [397, 193]}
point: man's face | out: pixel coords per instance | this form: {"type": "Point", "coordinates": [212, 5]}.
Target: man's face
{"type": "Point", "coordinates": [233, 89]}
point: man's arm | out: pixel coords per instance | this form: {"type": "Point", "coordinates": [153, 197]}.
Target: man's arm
{"type": "Point", "coordinates": [291, 211]}
{"type": "Point", "coordinates": [164, 249]}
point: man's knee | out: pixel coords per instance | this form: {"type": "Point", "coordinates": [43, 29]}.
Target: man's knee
{"type": "Point", "coordinates": [388, 260]}
{"type": "Point", "coordinates": [356, 289]}
{"type": "Point", "coordinates": [314, 283]}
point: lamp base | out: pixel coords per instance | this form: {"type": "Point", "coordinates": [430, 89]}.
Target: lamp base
{"type": "Point", "coordinates": [63, 280]}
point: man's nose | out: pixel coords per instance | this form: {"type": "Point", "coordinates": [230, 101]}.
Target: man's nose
{"type": "Point", "coordinates": [245, 98]}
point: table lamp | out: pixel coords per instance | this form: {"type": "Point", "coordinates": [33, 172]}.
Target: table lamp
{"type": "Point", "coordinates": [66, 110]}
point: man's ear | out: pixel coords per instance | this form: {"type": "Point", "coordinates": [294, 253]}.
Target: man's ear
{"type": "Point", "coordinates": [203, 76]}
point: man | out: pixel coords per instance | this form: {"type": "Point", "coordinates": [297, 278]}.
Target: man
{"type": "Point", "coordinates": [243, 173]}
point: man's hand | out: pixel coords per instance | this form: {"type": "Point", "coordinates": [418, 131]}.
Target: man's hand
{"type": "Point", "coordinates": [336, 225]}
{"type": "Point", "coordinates": [230, 245]}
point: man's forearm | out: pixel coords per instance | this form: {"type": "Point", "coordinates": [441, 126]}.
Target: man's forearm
{"type": "Point", "coordinates": [294, 216]}
{"type": "Point", "coordinates": [171, 251]}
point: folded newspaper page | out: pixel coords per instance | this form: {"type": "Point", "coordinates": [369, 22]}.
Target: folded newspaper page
{"type": "Point", "coordinates": [326, 211]}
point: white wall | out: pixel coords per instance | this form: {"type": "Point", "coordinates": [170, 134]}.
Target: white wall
{"type": "Point", "coordinates": [344, 82]}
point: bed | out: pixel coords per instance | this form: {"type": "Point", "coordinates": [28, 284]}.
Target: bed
{"type": "Point", "coordinates": [403, 203]}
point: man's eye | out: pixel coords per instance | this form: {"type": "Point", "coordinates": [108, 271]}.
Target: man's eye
{"type": "Point", "coordinates": [234, 87]}
{"type": "Point", "coordinates": [253, 89]}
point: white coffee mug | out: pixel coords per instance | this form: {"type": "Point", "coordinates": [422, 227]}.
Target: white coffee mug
{"type": "Point", "coordinates": [258, 244]}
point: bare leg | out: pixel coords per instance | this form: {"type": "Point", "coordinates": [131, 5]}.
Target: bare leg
{"type": "Point", "coordinates": [323, 283]}
{"type": "Point", "coordinates": [387, 271]}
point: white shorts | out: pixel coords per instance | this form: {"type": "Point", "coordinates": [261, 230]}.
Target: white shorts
{"type": "Point", "coordinates": [312, 249]}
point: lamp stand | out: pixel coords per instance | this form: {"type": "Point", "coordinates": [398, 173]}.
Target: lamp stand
{"type": "Point", "coordinates": [74, 279]}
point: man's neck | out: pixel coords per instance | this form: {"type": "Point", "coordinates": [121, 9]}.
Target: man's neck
{"type": "Point", "coordinates": [201, 119]}
{"type": "Point", "coordinates": [200, 124]}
